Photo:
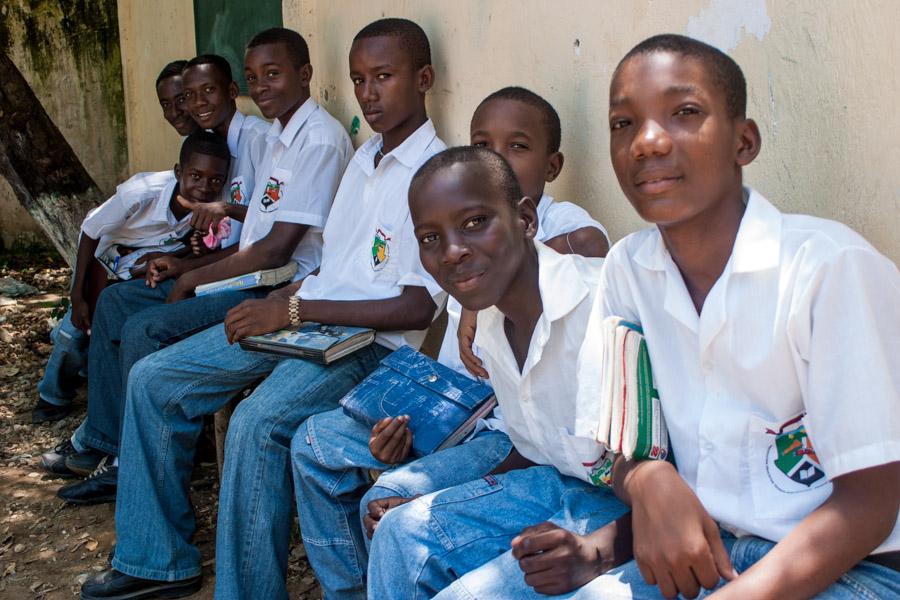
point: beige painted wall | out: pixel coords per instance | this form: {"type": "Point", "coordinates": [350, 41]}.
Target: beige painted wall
{"type": "Point", "coordinates": [822, 77]}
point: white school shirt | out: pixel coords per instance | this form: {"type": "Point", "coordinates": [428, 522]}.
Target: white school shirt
{"type": "Point", "coordinates": [789, 378]}
{"type": "Point", "coordinates": [247, 145]}
{"type": "Point", "coordinates": [371, 251]}
{"type": "Point", "coordinates": [297, 179]}
{"type": "Point", "coordinates": [138, 215]}
{"type": "Point", "coordinates": [538, 403]}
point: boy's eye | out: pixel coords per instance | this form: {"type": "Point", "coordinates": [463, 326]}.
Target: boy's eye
{"type": "Point", "coordinates": [687, 110]}
{"type": "Point", "coordinates": [618, 123]}
{"type": "Point", "coordinates": [272, 74]}
{"type": "Point", "coordinates": [383, 76]}
{"type": "Point", "coordinates": [518, 146]}
{"type": "Point", "coordinates": [480, 144]}
{"type": "Point", "coordinates": [250, 78]}
{"type": "Point", "coordinates": [356, 80]}
{"type": "Point", "coordinates": [428, 238]}
{"type": "Point", "coordinates": [474, 222]}
{"type": "Point", "coordinates": [209, 89]}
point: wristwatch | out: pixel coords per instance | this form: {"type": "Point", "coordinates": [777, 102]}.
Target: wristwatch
{"type": "Point", "coordinates": [294, 310]}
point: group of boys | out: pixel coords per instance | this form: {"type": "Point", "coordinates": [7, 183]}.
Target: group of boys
{"type": "Point", "coordinates": [783, 444]}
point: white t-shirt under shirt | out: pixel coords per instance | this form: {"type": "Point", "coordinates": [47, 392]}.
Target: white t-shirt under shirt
{"type": "Point", "coordinates": [371, 251]}
{"type": "Point", "coordinates": [297, 179]}
{"type": "Point", "coordinates": [247, 145]}
{"type": "Point", "coordinates": [788, 378]}
{"type": "Point", "coordinates": [138, 215]}
{"type": "Point", "coordinates": [538, 403]}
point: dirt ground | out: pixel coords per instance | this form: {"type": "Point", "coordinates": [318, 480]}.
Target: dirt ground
{"type": "Point", "coordinates": [47, 548]}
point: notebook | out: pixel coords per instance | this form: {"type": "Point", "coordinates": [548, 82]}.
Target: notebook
{"type": "Point", "coordinates": [266, 277]}
{"type": "Point", "coordinates": [313, 341]}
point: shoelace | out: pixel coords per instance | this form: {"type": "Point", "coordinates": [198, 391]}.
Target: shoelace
{"type": "Point", "coordinates": [102, 467]}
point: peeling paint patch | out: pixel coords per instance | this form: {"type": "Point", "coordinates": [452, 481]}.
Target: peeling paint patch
{"type": "Point", "coordinates": [724, 22]}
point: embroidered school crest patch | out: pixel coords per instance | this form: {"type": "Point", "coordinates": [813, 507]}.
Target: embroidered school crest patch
{"type": "Point", "coordinates": [271, 195]}
{"type": "Point", "coordinates": [380, 249]}
{"type": "Point", "coordinates": [600, 471]}
{"type": "Point", "coordinates": [237, 194]}
{"type": "Point", "coordinates": [791, 461]}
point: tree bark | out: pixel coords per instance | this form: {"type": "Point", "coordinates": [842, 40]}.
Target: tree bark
{"type": "Point", "coordinates": [42, 169]}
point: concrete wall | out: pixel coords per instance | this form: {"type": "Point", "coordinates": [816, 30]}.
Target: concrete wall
{"type": "Point", "coordinates": [822, 81]}
{"type": "Point", "coordinates": [69, 53]}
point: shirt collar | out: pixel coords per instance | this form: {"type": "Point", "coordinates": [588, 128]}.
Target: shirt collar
{"type": "Point", "coordinates": [287, 134]}
{"type": "Point", "coordinates": [409, 153]}
{"type": "Point", "coordinates": [756, 248]}
{"type": "Point", "coordinates": [234, 133]}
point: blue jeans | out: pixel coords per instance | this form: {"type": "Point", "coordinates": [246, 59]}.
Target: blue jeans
{"type": "Point", "coordinates": [130, 322]}
{"type": "Point", "coordinates": [67, 365]}
{"type": "Point", "coordinates": [502, 578]}
{"type": "Point", "coordinates": [421, 547]}
{"type": "Point", "coordinates": [331, 459]}
{"type": "Point", "coordinates": [168, 394]}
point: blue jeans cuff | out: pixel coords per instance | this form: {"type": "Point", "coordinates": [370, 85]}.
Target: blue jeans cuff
{"type": "Point", "coordinates": [155, 575]}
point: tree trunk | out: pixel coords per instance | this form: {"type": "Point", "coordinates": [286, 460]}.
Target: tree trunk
{"type": "Point", "coordinates": [43, 170]}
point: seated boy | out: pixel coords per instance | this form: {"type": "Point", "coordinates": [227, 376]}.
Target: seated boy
{"type": "Point", "coordinates": [67, 367]}
{"type": "Point", "coordinates": [306, 153]}
{"type": "Point", "coordinates": [169, 391]}
{"type": "Point", "coordinates": [475, 231]}
{"type": "Point", "coordinates": [331, 452]}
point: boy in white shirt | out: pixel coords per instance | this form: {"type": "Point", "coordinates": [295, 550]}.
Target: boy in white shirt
{"type": "Point", "coordinates": [331, 447]}
{"type": "Point", "coordinates": [475, 231]}
{"type": "Point", "coordinates": [135, 320]}
{"type": "Point", "coordinates": [370, 276]}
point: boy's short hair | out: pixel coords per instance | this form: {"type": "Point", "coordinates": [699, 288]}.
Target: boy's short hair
{"type": "Point", "coordinates": [204, 142]}
{"type": "Point", "coordinates": [412, 37]}
{"type": "Point", "coordinates": [500, 172]}
{"type": "Point", "coordinates": [218, 62]}
{"type": "Point", "coordinates": [293, 42]}
{"type": "Point", "coordinates": [551, 118]}
{"type": "Point", "coordinates": [725, 73]}
{"type": "Point", "coordinates": [172, 69]}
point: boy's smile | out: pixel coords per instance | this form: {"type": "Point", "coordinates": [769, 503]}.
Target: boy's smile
{"type": "Point", "coordinates": [470, 237]}
{"type": "Point", "coordinates": [277, 86]}
{"type": "Point", "coordinates": [201, 178]}
{"type": "Point", "coordinates": [170, 93]}
{"type": "Point", "coordinates": [388, 88]}
{"type": "Point", "coordinates": [676, 150]}
{"type": "Point", "coordinates": [209, 98]}
{"type": "Point", "coordinates": [516, 131]}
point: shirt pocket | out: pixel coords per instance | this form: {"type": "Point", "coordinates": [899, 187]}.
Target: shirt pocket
{"type": "Point", "coordinates": [274, 190]}
{"type": "Point", "coordinates": [585, 459]}
{"type": "Point", "coordinates": [786, 478]}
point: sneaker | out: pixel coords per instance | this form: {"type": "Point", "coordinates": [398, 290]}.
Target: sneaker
{"type": "Point", "coordinates": [113, 585]}
{"type": "Point", "coordinates": [84, 463]}
{"type": "Point", "coordinates": [54, 462]}
{"type": "Point", "coordinates": [44, 412]}
{"type": "Point", "coordinates": [99, 488]}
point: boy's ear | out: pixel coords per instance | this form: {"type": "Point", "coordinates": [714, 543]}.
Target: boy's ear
{"type": "Point", "coordinates": [554, 166]}
{"type": "Point", "coordinates": [306, 73]}
{"type": "Point", "coordinates": [527, 213]}
{"type": "Point", "coordinates": [425, 78]}
{"type": "Point", "coordinates": [233, 90]}
{"type": "Point", "coordinates": [177, 171]}
{"type": "Point", "coordinates": [749, 142]}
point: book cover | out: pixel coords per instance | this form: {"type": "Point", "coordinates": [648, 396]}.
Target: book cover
{"type": "Point", "coordinates": [443, 405]}
{"type": "Point", "coordinates": [265, 277]}
{"type": "Point", "coordinates": [312, 341]}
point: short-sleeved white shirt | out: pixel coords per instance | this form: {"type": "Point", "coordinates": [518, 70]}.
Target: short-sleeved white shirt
{"type": "Point", "coordinates": [247, 145]}
{"type": "Point", "coordinates": [788, 378]}
{"type": "Point", "coordinates": [371, 251]}
{"type": "Point", "coordinates": [297, 180]}
{"type": "Point", "coordinates": [138, 215]}
{"type": "Point", "coordinates": [554, 218]}
{"type": "Point", "coordinates": [538, 403]}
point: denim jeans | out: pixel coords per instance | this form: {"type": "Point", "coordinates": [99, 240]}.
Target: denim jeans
{"type": "Point", "coordinates": [421, 547]}
{"type": "Point", "coordinates": [131, 321]}
{"type": "Point", "coordinates": [67, 365]}
{"type": "Point", "coordinates": [331, 458]}
{"type": "Point", "coordinates": [168, 394]}
{"type": "Point", "coordinates": [502, 578]}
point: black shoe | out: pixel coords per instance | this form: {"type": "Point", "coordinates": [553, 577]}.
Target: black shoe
{"type": "Point", "coordinates": [113, 585]}
{"type": "Point", "coordinates": [99, 488]}
{"type": "Point", "coordinates": [85, 463]}
{"type": "Point", "coordinates": [44, 412]}
{"type": "Point", "coordinates": [54, 462]}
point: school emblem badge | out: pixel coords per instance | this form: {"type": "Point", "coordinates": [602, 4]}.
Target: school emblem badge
{"type": "Point", "coordinates": [380, 249]}
{"type": "Point", "coordinates": [237, 195]}
{"type": "Point", "coordinates": [271, 195]}
{"type": "Point", "coordinates": [791, 461]}
{"type": "Point", "coordinates": [600, 471]}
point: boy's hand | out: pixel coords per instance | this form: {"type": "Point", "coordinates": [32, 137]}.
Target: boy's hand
{"type": "Point", "coordinates": [81, 314]}
{"type": "Point", "coordinates": [391, 440]}
{"type": "Point", "coordinates": [204, 214]}
{"type": "Point", "coordinates": [557, 561]}
{"type": "Point", "coordinates": [198, 248]}
{"type": "Point", "coordinates": [256, 317]}
{"type": "Point", "coordinates": [162, 268]}
{"type": "Point", "coordinates": [378, 508]}
{"type": "Point", "coordinates": [140, 265]}
{"type": "Point", "coordinates": [465, 335]}
{"type": "Point", "coordinates": [676, 543]}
